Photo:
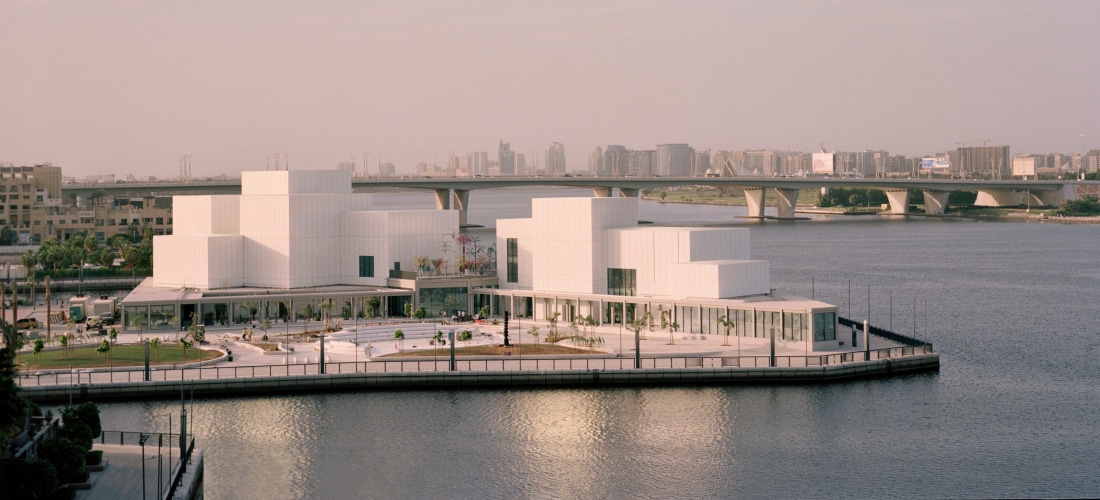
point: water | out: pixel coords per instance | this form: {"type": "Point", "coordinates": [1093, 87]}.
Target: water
{"type": "Point", "coordinates": [1014, 309]}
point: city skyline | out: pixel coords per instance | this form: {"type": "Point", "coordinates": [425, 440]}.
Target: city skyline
{"type": "Point", "coordinates": [124, 88]}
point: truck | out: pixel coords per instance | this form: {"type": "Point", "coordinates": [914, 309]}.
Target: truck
{"type": "Point", "coordinates": [81, 307]}
{"type": "Point", "coordinates": [106, 308]}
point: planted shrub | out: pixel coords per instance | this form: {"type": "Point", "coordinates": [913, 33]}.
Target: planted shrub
{"type": "Point", "coordinates": [93, 457]}
{"type": "Point", "coordinates": [34, 478]}
{"type": "Point", "coordinates": [66, 457]}
{"type": "Point", "coordinates": [85, 412]}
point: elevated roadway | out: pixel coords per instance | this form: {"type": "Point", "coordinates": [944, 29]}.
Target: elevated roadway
{"type": "Point", "coordinates": [453, 192]}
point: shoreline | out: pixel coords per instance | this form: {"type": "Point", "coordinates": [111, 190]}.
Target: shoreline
{"type": "Point", "coordinates": [813, 209]}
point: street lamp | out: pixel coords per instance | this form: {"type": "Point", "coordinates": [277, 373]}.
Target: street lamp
{"type": "Point", "coordinates": [144, 437]}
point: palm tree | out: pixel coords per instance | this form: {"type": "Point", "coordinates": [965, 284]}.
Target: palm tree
{"type": "Point", "coordinates": [155, 344]}
{"type": "Point", "coordinates": [553, 319]}
{"type": "Point", "coordinates": [184, 345]}
{"type": "Point", "coordinates": [399, 336]}
{"type": "Point", "coordinates": [725, 322]}
{"type": "Point", "coordinates": [326, 308]}
{"type": "Point", "coordinates": [265, 325]}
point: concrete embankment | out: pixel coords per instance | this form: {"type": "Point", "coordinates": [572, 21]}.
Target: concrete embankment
{"type": "Point", "coordinates": [487, 379]}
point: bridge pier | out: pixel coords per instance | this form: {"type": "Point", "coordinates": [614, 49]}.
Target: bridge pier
{"type": "Point", "coordinates": [601, 192]}
{"type": "Point", "coordinates": [935, 202]}
{"type": "Point", "coordinates": [785, 201]}
{"type": "Point", "coordinates": [442, 199]}
{"type": "Point", "coordinates": [899, 200]}
{"type": "Point", "coordinates": [628, 193]}
{"type": "Point", "coordinates": [461, 203]}
{"type": "Point", "coordinates": [999, 198]}
{"type": "Point", "coordinates": [754, 197]}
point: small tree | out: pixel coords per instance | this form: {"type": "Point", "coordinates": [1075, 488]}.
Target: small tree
{"type": "Point", "coordinates": [465, 336]}
{"type": "Point", "coordinates": [326, 309]}
{"type": "Point", "coordinates": [104, 349]}
{"type": "Point", "coordinates": [374, 304]}
{"type": "Point", "coordinates": [399, 335]}
{"type": "Point", "coordinates": [553, 319]}
{"type": "Point", "coordinates": [64, 339]}
{"type": "Point", "coordinates": [265, 325]}
{"type": "Point", "coordinates": [408, 309]}
{"type": "Point", "coordinates": [484, 311]}
{"type": "Point", "coordinates": [421, 313]}
{"type": "Point", "coordinates": [155, 345]}
{"type": "Point", "coordinates": [38, 346]}
{"type": "Point", "coordinates": [184, 346]}
{"type": "Point", "coordinates": [113, 335]}
{"type": "Point", "coordinates": [534, 332]}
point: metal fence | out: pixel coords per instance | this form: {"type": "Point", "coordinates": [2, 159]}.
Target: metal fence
{"type": "Point", "coordinates": [442, 363]}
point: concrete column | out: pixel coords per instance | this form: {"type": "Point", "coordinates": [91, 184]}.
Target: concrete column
{"type": "Point", "coordinates": [602, 192]}
{"type": "Point", "coordinates": [899, 201]}
{"type": "Point", "coordinates": [461, 203]}
{"type": "Point", "coordinates": [935, 202]}
{"type": "Point", "coordinates": [628, 193]}
{"type": "Point", "coordinates": [1054, 198]}
{"type": "Point", "coordinates": [442, 199]}
{"type": "Point", "coordinates": [785, 200]}
{"type": "Point", "coordinates": [999, 198]}
{"type": "Point", "coordinates": [755, 199]}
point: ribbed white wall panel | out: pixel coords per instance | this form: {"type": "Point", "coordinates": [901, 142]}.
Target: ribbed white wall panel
{"type": "Point", "coordinates": [295, 182]}
{"type": "Point", "coordinates": [213, 214]}
{"type": "Point", "coordinates": [197, 261]}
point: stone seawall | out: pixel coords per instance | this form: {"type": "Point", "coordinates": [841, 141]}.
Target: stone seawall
{"type": "Point", "coordinates": [487, 379]}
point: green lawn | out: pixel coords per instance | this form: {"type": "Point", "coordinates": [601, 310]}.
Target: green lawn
{"type": "Point", "coordinates": [85, 356]}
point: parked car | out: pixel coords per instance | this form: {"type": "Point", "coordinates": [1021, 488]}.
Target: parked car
{"type": "Point", "coordinates": [27, 324]}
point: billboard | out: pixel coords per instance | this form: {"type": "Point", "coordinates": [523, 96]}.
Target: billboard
{"type": "Point", "coordinates": [935, 164]}
{"type": "Point", "coordinates": [823, 163]}
{"type": "Point", "coordinates": [1023, 166]}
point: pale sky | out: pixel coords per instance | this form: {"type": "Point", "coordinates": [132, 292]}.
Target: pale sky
{"type": "Point", "coordinates": [126, 87]}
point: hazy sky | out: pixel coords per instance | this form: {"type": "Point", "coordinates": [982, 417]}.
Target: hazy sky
{"type": "Point", "coordinates": [129, 86]}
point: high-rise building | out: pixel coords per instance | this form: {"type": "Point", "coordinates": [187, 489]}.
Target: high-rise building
{"type": "Point", "coordinates": [701, 163]}
{"type": "Point", "coordinates": [555, 160]}
{"type": "Point", "coordinates": [521, 164]}
{"type": "Point", "coordinates": [984, 162]}
{"type": "Point", "coordinates": [718, 162]}
{"type": "Point", "coordinates": [869, 163]}
{"type": "Point", "coordinates": [642, 163]}
{"type": "Point", "coordinates": [674, 160]}
{"type": "Point", "coordinates": [506, 159]}
{"type": "Point", "coordinates": [479, 163]}
{"type": "Point", "coordinates": [595, 161]}
{"type": "Point", "coordinates": [616, 161]}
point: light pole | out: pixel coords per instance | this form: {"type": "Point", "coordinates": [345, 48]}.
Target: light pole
{"type": "Point", "coordinates": [142, 440]}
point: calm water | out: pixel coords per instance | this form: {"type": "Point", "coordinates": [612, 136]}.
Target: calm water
{"type": "Point", "coordinates": [1014, 309]}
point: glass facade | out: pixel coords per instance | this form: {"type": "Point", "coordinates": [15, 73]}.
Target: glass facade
{"type": "Point", "coordinates": [513, 260]}
{"type": "Point", "coordinates": [622, 282]}
{"type": "Point", "coordinates": [161, 317]}
{"type": "Point", "coordinates": [137, 317]}
{"type": "Point", "coordinates": [443, 302]}
{"type": "Point", "coordinates": [824, 326]}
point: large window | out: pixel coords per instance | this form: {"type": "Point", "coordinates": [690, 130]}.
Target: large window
{"type": "Point", "coordinates": [513, 260]}
{"type": "Point", "coordinates": [366, 266]}
{"type": "Point", "coordinates": [794, 326]}
{"type": "Point", "coordinates": [824, 326]}
{"type": "Point", "coordinates": [622, 282]}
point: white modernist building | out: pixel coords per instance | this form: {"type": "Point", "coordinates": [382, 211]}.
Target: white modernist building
{"type": "Point", "coordinates": [588, 257]}
{"type": "Point", "coordinates": [293, 240]}
{"type": "Point", "coordinates": [292, 229]}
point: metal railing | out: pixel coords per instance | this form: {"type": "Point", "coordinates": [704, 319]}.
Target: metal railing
{"type": "Point", "coordinates": [442, 363]}
{"type": "Point", "coordinates": [158, 444]}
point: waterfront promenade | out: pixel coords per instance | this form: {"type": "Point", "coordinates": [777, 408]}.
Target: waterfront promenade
{"type": "Point", "coordinates": [692, 359]}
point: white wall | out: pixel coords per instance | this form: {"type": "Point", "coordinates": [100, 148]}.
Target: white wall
{"type": "Point", "coordinates": [208, 261]}
{"type": "Point", "coordinates": [213, 214]}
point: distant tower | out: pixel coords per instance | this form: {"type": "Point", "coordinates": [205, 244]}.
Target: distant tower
{"type": "Point", "coordinates": [506, 159]}
{"type": "Point", "coordinates": [185, 167]}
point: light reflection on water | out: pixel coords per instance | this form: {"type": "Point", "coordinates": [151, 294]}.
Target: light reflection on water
{"type": "Point", "coordinates": [1014, 411]}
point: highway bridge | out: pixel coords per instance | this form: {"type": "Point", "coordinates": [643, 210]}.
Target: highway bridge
{"type": "Point", "coordinates": [454, 192]}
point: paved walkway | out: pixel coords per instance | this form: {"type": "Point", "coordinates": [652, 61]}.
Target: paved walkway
{"type": "Point", "coordinates": [122, 478]}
